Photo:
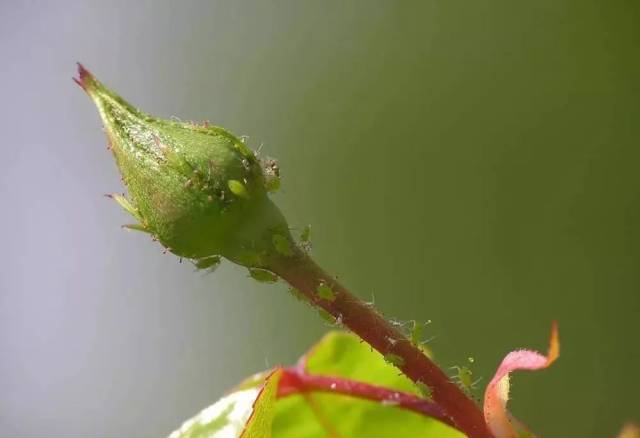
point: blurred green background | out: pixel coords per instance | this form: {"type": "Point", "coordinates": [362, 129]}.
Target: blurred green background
{"type": "Point", "coordinates": [470, 162]}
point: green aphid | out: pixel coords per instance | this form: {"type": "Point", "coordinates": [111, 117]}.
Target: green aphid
{"type": "Point", "coordinates": [464, 378]}
{"type": "Point", "coordinates": [394, 359]}
{"type": "Point", "coordinates": [272, 184]}
{"type": "Point", "coordinates": [305, 236]}
{"type": "Point", "coordinates": [282, 245]}
{"type": "Point", "coordinates": [423, 389]}
{"type": "Point", "coordinates": [416, 333]}
{"type": "Point", "coordinates": [326, 316]}
{"type": "Point", "coordinates": [174, 159]}
{"type": "Point", "coordinates": [325, 292]}
{"type": "Point", "coordinates": [238, 189]}
{"type": "Point", "coordinates": [299, 295]}
{"type": "Point", "coordinates": [210, 263]}
{"type": "Point", "coordinates": [244, 150]}
{"type": "Point", "coordinates": [262, 275]}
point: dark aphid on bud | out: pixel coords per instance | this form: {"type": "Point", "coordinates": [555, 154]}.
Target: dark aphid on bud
{"type": "Point", "coordinates": [198, 189]}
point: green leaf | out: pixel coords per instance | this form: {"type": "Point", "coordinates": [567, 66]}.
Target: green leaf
{"type": "Point", "coordinates": [246, 412]}
{"type": "Point", "coordinates": [321, 414]}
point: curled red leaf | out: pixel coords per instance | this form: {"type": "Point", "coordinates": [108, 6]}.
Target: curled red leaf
{"type": "Point", "coordinates": [497, 393]}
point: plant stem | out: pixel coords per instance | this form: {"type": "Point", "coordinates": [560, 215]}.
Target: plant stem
{"type": "Point", "coordinates": [296, 380]}
{"type": "Point", "coordinates": [301, 272]}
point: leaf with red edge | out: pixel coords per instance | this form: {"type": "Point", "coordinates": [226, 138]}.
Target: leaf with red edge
{"type": "Point", "coordinates": [497, 392]}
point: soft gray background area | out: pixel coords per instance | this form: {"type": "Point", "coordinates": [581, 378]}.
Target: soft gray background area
{"type": "Point", "coordinates": [473, 163]}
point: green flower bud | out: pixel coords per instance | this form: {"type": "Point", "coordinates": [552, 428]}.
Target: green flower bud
{"type": "Point", "coordinates": [198, 189]}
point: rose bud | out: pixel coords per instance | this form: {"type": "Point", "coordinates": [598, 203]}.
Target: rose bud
{"type": "Point", "coordinates": [196, 188]}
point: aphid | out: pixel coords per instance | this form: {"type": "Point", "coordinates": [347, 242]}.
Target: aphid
{"type": "Point", "coordinates": [396, 323]}
{"type": "Point", "coordinates": [305, 235]}
{"type": "Point", "coordinates": [416, 333]}
{"type": "Point", "coordinates": [210, 263]}
{"type": "Point", "coordinates": [243, 149]}
{"type": "Point", "coordinates": [262, 275]}
{"type": "Point", "coordinates": [372, 303]}
{"type": "Point", "coordinates": [326, 316]}
{"type": "Point", "coordinates": [299, 295]}
{"type": "Point", "coordinates": [325, 292]}
{"type": "Point", "coordinates": [394, 359]}
{"type": "Point", "coordinates": [271, 172]}
{"type": "Point", "coordinates": [305, 238]}
{"type": "Point", "coordinates": [464, 378]}
{"type": "Point", "coordinates": [423, 389]}
{"type": "Point", "coordinates": [238, 189]}
{"type": "Point", "coordinates": [282, 245]}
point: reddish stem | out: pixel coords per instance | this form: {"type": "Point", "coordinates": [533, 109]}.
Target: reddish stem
{"type": "Point", "coordinates": [296, 380]}
{"type": "Point", "coordinates": [305, 275]}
